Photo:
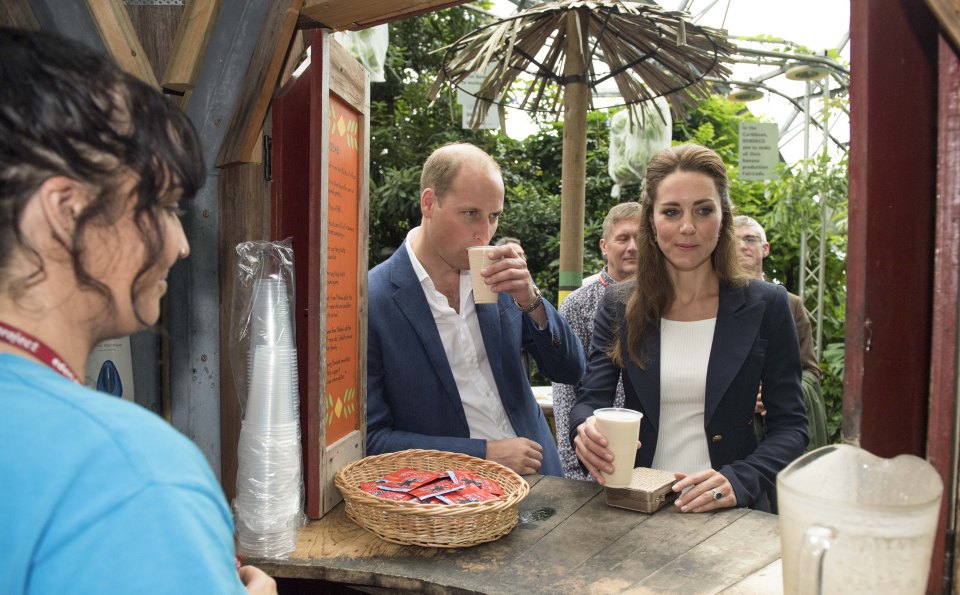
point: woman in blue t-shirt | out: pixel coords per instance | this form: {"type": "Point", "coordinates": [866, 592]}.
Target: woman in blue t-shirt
{"type": "Point", "coordinates": [98, 494]}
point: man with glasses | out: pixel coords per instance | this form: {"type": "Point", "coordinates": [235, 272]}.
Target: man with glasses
{"type": "Point", "coordinates": [753, 248]}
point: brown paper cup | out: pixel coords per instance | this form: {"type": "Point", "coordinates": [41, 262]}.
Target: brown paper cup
{"type": "Point", "coordinates": [482, 294]}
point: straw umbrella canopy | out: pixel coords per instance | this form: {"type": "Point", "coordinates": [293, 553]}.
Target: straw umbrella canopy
{"type": "Point", "coordinates": [572, 46]}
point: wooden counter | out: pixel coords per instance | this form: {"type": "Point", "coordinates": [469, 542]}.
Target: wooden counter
{"type": "Point", "coordinates": [568, 541]}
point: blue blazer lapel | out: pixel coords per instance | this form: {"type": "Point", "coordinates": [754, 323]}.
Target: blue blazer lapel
{"type": "Point", "coordinates": [738, 323]}
{"type": "Point", "coordinates": [647, 382]}
{"type": "Point", "coordinates": [410, 300]}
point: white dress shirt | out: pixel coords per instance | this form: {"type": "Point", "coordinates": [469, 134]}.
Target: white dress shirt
{"type": "Point", "coordinates": [466, 354]}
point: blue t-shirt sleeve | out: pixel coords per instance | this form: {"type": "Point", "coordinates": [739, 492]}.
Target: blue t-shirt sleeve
{"type": "Point", "coordinates": [163, 539]}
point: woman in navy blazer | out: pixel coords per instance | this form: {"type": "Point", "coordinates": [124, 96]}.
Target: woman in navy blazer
{"type": "Point", "coordinates": [695, 339]}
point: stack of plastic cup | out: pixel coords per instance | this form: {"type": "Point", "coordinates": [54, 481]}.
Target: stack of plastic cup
{"type": "Point", "coordinates": [271, 325]}
{"type": "Point", "coordinates": [269, 486]}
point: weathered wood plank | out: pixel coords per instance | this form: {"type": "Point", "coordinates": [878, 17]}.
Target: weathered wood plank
{"type": "Point", "coordinates": [347, 76]}
{"type": "Point", "coordinates": [155, 26]}
{"type": "Point", "coordinates": [768, 580]}
{"type": "Point", "coordinates": [948, 13]}
{"type": "Point", "coordinates": [18, 14]}
{"type": "Point", "coordinates": [583, 547]}
{"type": "Point", "coordinates": [189, 45]}
{"type": "Point", "coordinates": [349, 448]}
{"type": "Point", "coordinates": [568, 547]}
{"type": "Point", "coordinates": [644, 549]}
{"type": "Point", "coordinates": [297, 47]}
{"type": "Point", "coordinates": [738, 550]}
{"type": "Point", "coordinates": [351, 14]}
{"type": "Point", "coordinates": [116, 30]}
{"type": "Point", "coordinates": [551, 503]}
{"type": "Point", "coordinates": [259, 82]}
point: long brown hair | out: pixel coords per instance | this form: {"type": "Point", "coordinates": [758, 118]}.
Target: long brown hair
{"type": "Point", "coordinates": [653, 292]}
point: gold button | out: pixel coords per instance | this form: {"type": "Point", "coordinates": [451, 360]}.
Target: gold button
{"type": "Point", "coordinates": [717, 438]}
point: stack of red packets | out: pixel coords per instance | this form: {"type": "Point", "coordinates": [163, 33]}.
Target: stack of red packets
{"type": "Point", "coordinates": [433, 487]}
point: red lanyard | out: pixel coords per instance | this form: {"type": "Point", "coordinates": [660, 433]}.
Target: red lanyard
{"type": "Point", "coordinates": [37, 348]}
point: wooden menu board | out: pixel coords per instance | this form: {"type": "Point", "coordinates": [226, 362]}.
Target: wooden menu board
{"type": "Point", "coordinates": [320, 198]}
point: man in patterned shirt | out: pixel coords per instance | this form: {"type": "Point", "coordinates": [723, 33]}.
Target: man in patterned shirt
{"type": "Point", "coordinates": [619, 248]}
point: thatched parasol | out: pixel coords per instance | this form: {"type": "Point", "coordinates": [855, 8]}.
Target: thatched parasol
{"type": "Point", "coordinates": [574, 46]}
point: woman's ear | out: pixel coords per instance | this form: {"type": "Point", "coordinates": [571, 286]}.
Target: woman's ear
{"type": "Point", "coordinates": [62, 199]}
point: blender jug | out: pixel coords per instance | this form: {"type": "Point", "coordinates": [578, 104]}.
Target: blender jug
{"type": "Point", "coordinates": [852, 522]}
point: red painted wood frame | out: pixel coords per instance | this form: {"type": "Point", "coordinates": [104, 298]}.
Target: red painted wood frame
{"type": "Point", "coordinates": [902, 269]}
{"type": "Point", "coordinates": [299, 202]}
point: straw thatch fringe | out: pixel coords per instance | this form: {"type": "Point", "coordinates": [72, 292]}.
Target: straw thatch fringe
{"type": "Point", "coordinates": [649, 52]}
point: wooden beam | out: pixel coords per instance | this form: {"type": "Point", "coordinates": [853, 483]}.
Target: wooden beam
{"type": "Point", "coordinates": [259, 83]}
{"type": "Point", "coordinates": [190, 44]}
{"type": "Point", "coordinates": [353, 14]}
{"type": "Point", "coordinates": [297, 46]}
{"type": "Point", "coordinates": [887, 369]}
{"type": "Point", "coordinates": [948, 13]}
{"type": "Point", "coordinates": [944, 382]}
{"type": "Point", "coordinates": [116, 30]}
{"type": "Point", "coordinates": [18, 14]}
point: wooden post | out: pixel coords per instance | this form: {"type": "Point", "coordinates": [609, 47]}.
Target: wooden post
{"type": "Point", "coordinates": [117, 32]}
{"type": "Point", "coordinates": [190, 45]}
{"type": "Point", "coordinates": [573, 179]}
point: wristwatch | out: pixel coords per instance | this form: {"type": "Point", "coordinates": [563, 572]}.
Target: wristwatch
{"type": "Point", "coordinates": [533, 305]}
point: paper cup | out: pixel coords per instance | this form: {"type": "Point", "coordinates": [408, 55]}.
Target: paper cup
{"type": "Point", "coordinates": [482, 294]}
{"type": "Point", "coordinates": [621, 428]}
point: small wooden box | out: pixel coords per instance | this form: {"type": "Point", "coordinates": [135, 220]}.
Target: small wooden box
{"type": "Point", "coordinates": [649, 491]}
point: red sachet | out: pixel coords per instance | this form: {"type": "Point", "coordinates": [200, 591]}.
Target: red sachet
{"type": "Point", "coordinates": [469, 494]}
{"type": "Point", "coordinates": [372, 487]}
{"type": "Point", "coordinates": [407, 479]}
{"type": "Point", "coordinates": [485, 484]}
{"type": "Point", "coordinates": [443, 486]}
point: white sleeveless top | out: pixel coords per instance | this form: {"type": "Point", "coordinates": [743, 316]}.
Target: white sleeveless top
{"type": "Point", "coordinates": [684, 355]}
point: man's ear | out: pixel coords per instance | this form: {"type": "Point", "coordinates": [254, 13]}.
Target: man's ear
{"type": "Point", "coordinates": [766, 249]}
{"type": "Point", "coordinates": [62, 199]}
{"type": "Point", "coordinates": [428, 201]}
{"type": "Point", "coordinates": [603, 246]}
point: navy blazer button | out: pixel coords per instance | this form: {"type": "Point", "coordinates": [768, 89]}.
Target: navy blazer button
{"type": "Point", "coordinates": [717, 438]}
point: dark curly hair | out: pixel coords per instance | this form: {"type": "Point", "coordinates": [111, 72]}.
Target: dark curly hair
{"type": "Point", "coordinates": [66, 110]}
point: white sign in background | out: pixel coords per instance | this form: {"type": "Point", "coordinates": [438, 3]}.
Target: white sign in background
{"type": "Point", "coordinates": [759, 150]}
{"type": "Point", "coordinates": [471, 84]}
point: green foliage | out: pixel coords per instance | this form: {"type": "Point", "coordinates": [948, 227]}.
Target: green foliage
{"type": "Point", "coordinates": [804, 194]}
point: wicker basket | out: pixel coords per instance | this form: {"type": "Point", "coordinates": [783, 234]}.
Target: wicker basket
{"type": "Point", "coordinates": [431, 525]}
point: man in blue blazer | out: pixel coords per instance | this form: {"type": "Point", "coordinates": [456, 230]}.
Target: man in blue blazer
{"type": "Point", "coordinates": [443, 372]}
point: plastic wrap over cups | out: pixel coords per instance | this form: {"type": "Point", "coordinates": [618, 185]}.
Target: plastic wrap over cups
{"type": "Point", "coordinates": [635, 135]}
{"type": "Point", "coordinates": [269, 502]}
